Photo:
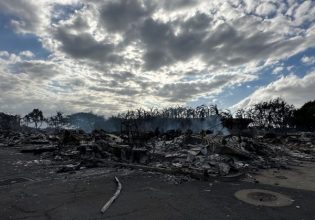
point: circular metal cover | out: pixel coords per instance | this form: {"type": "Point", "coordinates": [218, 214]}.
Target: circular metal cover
{"type": "Point", "coordinates": [260, 197]}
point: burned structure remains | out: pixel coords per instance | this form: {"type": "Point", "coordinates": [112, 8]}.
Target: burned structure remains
{"type": "Point", "coordinates": [201, 142]}
{"type": "Point", "coordinates": [9, 122]}
{"type": "Point", "coordinates": [195, 147]}
{"type": "Point", "coordinates": [177, 145]}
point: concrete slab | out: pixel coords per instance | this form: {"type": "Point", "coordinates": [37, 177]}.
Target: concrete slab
{"type": "Point", "coordinates": [300, 176]}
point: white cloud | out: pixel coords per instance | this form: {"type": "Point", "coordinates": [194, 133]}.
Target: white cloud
{"type": "Point", "coordinates": [278, 70]}
{"type": "Point", "coordinates": [26, 54]}
{"type": "Point", "coordinates": [4, 54]}
{"type": "Point", "coordinates": [293, 89]}
{"type": "Point", "coordinates": [305, 12]}
{"type": "Point", "coordinates": [308, 60]}
{"type": "Point", "coordinates": [266, 9]}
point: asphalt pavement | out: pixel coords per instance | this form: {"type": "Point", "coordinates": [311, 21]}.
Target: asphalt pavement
{"type": "Point", "coordinates": [32, 190]}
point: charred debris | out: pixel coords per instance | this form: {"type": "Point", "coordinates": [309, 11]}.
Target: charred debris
{"type": "Point", "coordinates": [202, 142]}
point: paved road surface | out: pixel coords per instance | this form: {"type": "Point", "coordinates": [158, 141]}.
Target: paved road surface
{"type": "Point", "coordinates": [144, 195]}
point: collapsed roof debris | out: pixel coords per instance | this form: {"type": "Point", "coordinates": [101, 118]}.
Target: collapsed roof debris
{"type": "Point", "coordinates": [201, 155]}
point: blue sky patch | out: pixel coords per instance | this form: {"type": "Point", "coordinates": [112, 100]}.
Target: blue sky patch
{"type": "Point", "coordinates": [63, 12]}
{"type": "Point", "coordinates": [15, 43]}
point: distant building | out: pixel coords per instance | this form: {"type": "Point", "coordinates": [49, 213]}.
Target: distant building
{"type": "Point", "coordinates": [9, 122]}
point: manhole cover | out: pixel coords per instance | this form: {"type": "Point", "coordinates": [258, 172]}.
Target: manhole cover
{"type": "Point", "coordinates": [13, 181]}
{"type": "Point", "coordinates": [260, 197]}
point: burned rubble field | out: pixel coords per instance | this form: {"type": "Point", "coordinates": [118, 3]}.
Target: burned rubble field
{"type": "Point", "coordinates": [177, 158]}
{"type": "Point", "coordinates": [200, 156]}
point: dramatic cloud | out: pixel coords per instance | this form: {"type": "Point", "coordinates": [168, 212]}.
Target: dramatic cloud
{"type": "Point", "coordinates": [123, 15]}
{"type": "Point", "coordinates": [27, 15]}
{"type": "Point", "coordinates": [85, 46]}
{"type": "Point", "coordinates": [112, 55]}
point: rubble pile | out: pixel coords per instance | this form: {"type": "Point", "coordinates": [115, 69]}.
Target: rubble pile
{"type": "Point", "coordinates": [180, 153]}
{"type": "Point", "coordinates": [217, 155]}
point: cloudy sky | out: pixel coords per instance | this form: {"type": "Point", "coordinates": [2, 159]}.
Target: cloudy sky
{"type": "Point", "coordinates": [107, 56]}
